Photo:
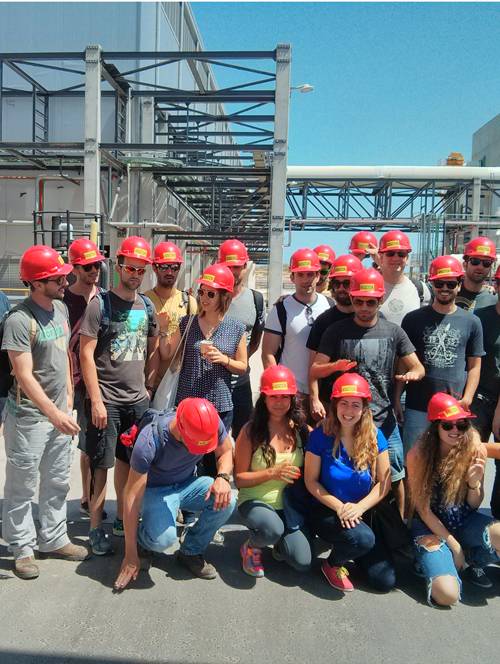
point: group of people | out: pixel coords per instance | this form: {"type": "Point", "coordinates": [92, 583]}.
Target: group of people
{"type": "Point", "coordinates": [377, 393]}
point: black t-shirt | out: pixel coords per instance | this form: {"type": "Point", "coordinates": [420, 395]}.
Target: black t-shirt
{"type": "Point", "coordinates": [375, 349]}
{"type": "Point", "coordinates": [320, 325]}
{"type": "Point", "coordinates": [443, 343]}
{"type": "Point", "coordinates": [489, 382]}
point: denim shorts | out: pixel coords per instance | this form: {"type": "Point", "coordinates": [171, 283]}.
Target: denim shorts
{"type": "Point", "coordinates": [474, 539]}
{"type": "Point", "coordinates": [415, 424]}
{"type": "Point", "coordinates": [390, 430]}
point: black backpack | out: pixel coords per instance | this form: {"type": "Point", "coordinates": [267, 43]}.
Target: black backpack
{"type": "Point", "coordinates": [6, 377]}
{"type": "Point", "coordinates": [106, 313]}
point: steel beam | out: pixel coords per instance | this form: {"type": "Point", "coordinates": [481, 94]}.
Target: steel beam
{"type": "Point", "coordinates": [279, 173]}
{"type": "Point", "coordinates": [92, 156]}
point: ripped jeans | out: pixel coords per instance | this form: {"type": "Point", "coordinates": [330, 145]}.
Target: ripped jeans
{"type": "Point", "coordinates": [474, 539]}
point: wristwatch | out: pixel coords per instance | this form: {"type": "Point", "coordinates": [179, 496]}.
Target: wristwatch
{"type": "Point", "coordinates": [224, 476]}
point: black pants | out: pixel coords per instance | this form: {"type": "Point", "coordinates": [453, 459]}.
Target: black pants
{"type": "Point", "coordinates": [484, 408]}
{"type": "Point", "coordinates": [358, 544]}
{"type": "Point", "coordinates": [242, 406]}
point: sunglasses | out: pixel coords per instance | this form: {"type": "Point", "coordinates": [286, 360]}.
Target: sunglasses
{"type": "Point", "coordinates": [164, 267]}
{"type": "Point", "coordinates": [481, 261]}
{"type": "Point", "coordinates": [60, 281]}
{"type": "Point", "coordinates": [91, 266]}
{"type": "Point", "coordinates": [309, 316]}
{"type": "Point", "coordinates": [209, 294]}
{"type": "Point", "coordinates": [450, 285]}
{"type": "Point", "coordinates": [460, 425]}
{"type": "Point", "coordinates": [400, 254]}
{"type": "Point", "coordinates": [134, 270]}
{"type": "Point", "coordinates": [371, 304]}
{"type": "Point", "coordinates": [337, 283]}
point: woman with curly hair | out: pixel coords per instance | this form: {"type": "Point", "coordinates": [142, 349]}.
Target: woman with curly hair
{"type": "Point", "coordinates": [269, 456]}
{"type": "Point", "coordinates": [347, 471]}
{"type": "Point", "coordinates": [445, 476]}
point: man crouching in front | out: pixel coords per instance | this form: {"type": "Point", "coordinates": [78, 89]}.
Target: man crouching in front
{"type": "Point", "coordinates": [163, 480]}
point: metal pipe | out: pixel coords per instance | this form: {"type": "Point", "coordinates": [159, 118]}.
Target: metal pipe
{"type": "Point", "coordinates": [405, 173]}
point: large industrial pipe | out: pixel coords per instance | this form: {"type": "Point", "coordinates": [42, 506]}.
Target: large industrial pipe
{"type": "Point", "coordinates": [395, 172]}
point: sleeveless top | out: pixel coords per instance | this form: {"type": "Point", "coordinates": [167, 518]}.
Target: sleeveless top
{"type": "Point", "coordinates": [452, 516]}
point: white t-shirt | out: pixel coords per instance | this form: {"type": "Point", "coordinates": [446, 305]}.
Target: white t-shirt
{"type": "Point", "coordinates": [402, 298]}
{"type": "Point", "coordinates": [299, 320]}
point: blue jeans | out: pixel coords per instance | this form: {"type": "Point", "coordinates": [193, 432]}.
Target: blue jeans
{"type": "Point", "coordinates": [473, 537]}
{"type": "Point", "coordinates": [390, 430]}
{"type": "Point", "coordinates": [415, 424]}
{"type": "Point", "coordinates": [158, 532]}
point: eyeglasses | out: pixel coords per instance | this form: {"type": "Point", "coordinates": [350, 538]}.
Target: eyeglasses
{"type": "Point", "coordinates": [60, 281]}
{"type": "Point", "coordinates": [460, 425]}
{"type": "Point", "coordinates": [309, 316]}
{"type": "Point", "coordinates": [371, 304]}
{"type": "Point", "coordinates": [134, 270]}
{"type": "Point", "coordinates": [91, 266]}
{"type": "Point", "coordinates": [450, 285]}
{"type": "Point", "coordinates": [164, 267]}
{"type": "Point", "coordinates": [337, 283]}
{"type": "Point", "coordinates": [400, 254]}
{"type": "Point", "coordinates": [208, 293]}
{"type": "Point", "coordinates": [481, 261]}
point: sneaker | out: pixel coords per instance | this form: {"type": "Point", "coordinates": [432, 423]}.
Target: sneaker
{"type": "Point", "coordinates": [337, 577]}
{"type": "Point", "coordinates": [251, 560]}
{"type": "Point", "coordinates": [197, 565]}
{"type": "Point", "coordinates": [69, 551]}
{"type": "Point", "coordinates": [26, 568]}
{"type": "Point", "coordinates": [85, 509]}
{"type": "Point", "coordinates": [478, 577]}
{"type": "Point", "coordinates": [99, 542]}
{"type": "Point", "coordinates": [118, 529]}
{"type": "Point", "coordinates": [218, 537]}
{"type": "Point", "coordinates": [277, 555]}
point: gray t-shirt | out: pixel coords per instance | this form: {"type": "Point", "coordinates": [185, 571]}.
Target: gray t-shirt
{"type": "Point", "coordinates": [243, 309]}
{"type": "Point", "coordinates": [46, 336]}
{"type": "Point", "coordinates": [120, 355]}
{"type": "Point", "coordinates": [402, 298]}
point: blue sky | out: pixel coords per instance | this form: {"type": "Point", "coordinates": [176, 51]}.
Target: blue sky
{"type": "Point", "coordinates": [401, 83]}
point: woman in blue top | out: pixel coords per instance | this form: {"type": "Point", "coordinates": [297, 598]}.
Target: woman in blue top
{"type": "Point", "coordinates": [347, 470]}
{"type": "Point", "coordinates": [446, 476]}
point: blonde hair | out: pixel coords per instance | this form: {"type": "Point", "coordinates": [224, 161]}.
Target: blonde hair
{"type": "Point", "coordinates": [225, 299]}
{"type": "Point", "coordinates": [365, 446]}
{"type": "Point", "coordinates": [451, 472]}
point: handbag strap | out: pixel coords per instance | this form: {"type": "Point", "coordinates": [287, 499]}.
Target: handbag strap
{"type": "Point", "coordinates": [182, 343]}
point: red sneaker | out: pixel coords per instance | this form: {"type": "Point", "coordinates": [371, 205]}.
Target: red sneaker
{"type": "Point", "coordinates": [251, 560]}
{"type": "Point", "coordinates": [337, 577]}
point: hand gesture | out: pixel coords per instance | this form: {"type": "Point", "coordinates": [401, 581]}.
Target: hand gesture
{"type": "Point", "coordinates": [128, 571]}
{"type": "Point", "coordinates": [372, 251]}
{"type": "Point", "coordinates": [342, 365]}
{"type": "Point", "coordinates": [214, 355]}
{"type": "Point", "coordinates": [465, 403]}
{"type": "Point", "coordinates": [318, 411]}
{"type": "Point", "coordinates": [221, 489]}
{"type": "Point", "coordinates": [163, 320]}
{"type": "Point", "coordinates": [64, 423]}
{"type": "Point", "coordinates": [408, 377]}
{"type": "Point", "coordinates": [99, 415]}
{"type": "Point", "coordinates": [475, 472]}
{"type": "Point", "coordinates": [350, 515]}
{"type": "Point", "coordinates": [286, 472]}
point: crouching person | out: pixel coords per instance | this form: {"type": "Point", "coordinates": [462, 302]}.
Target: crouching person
{"type": "Point", "coordinates": [446, 477]}
{"type": "Point", "coordinates": [163, 480]}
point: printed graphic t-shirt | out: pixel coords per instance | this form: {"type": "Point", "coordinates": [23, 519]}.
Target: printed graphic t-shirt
{"type": "Point", "coordinates": [443, 343]}
{"type": "Point", "coordinates": [375, 350]}
{"type": "Point", "coordinates": [471, 301]}
{"type": "Point", "coordinates": [120, 356]}
{"type": "Point", "coordinates": [402, 298]}
{"type": "Point", "coordinates": [489, 382]}
{"type": "Point", "coordinates": [49, 351]}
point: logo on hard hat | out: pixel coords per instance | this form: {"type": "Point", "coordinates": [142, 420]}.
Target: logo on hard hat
{"type": "Point", "coordinates": [89, 254]}
{"type": "Point", "coordinates": [280, 385]}
{"type": "Point", "coordinates": [348, 389]}
{"type": "Point", "coordinates": [323, 256]}
{"type": "Point", "coordinates": [452, 410]}
{"type": "Point", "coordinates": [444, 270]}
{"type": "Point", "coordinates": [231, 258]}
{"type": "Point", "coordinates": [340, 268]}
{"type": "Point", "coordinates": [167, 255]}
{"type": "Point", "coordinates": [202, 443]}
{"type": "Point", "coordinates": [363, 245]}
{"type": "Point", "coordinates": [139, 251]}
{"type": "Point", "coordinates": [60, 259]}
{"type": "Point", "coordinates": [208, 277]}
{"type": "Point", "coordinates": [483, 249]}
{"type": "Point", "coordinates": [367, 287]}
{"type": "Point", "coordinates": [392, 243]}
{"type": "Point", "coordinates": [305, 263]}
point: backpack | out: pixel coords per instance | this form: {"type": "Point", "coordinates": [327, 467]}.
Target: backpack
{"type": "Point", "coordinates": [158, 420]}
{"type": "Point", "coordinates": [420, 289]}
{"type": "Point", "coordinates": [281, 311]}
{"type": "Point", "coordinates": [106, 312]}
{"type": "Point", "coordinates": [186, 301]}
{"type": "Point", "coordinates": [258, 300]}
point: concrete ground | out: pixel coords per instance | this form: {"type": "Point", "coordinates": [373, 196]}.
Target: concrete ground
{"type": "Point", "coordinates": [71, 615]}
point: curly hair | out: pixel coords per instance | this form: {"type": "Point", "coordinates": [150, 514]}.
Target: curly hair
{"type": "Point", "coordinates": [451, 471]}
{"type": "Point", "coordinates": [258, 427]}
{"type": "Point", "coordinates": [365, 436]}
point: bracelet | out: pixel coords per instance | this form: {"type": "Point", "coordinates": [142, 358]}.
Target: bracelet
{"type": "Point", "coordinates": [228, 360]}
{"type": "Point", "coordinates": [473, 488]}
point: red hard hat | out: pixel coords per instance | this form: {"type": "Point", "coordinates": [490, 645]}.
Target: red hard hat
{"type": "Point", "coordinates": [233, 252]}
{"type": "Point", "coordinates": [394, 240]}
{"type": "Point", "coordinates": [325, 253]}
{"type": "Point", "coordinates": [367, 283]}
{"type": "Point", "coordinates": [42, 262]}
{"type": "Point", "coordinates": [278, 380]}
{"type": "Point", "coordinates": [443, 267]}
{"type": "Point", "coordinates": [217, 276]}
{"type": "Point", "coordinates": [443, 406]}
{"type": "Point", "coordinates": [167, 252]}
{"type": "Point", "coordinates": [345, 266]}
{"type": "Point", "coordinates": [304, 260]}
{"type": "Point", "coordinates": [198, 423]}
{"type": "Point", "coordinates": [361, 241]}
{"type": "Point", "coordinates": [135, 247]}
{"type": "Point", "coordinates": [351, 385]}
{"type": "Point", "coordinates": [84, 252]}
{"type": "Point", "coordinates": [481, 247]}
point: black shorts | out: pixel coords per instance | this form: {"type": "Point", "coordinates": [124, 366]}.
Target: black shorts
{"type": "Point", "coordinates": [103, 445]}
